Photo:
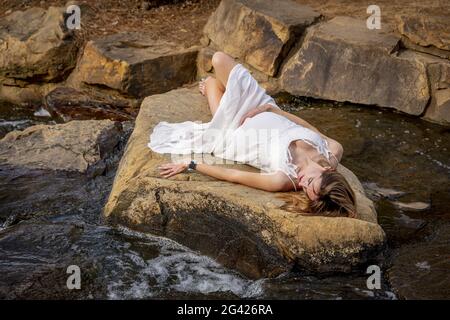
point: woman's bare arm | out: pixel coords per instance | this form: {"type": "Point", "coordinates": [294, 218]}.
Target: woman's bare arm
{"type": "Point", "coordinates": [268, 182]}
{"type": "Point", "coordinates": [334, 146]}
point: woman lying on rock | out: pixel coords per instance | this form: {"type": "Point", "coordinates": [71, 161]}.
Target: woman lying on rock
{"type": "Point", "coordinates": [247, 126]}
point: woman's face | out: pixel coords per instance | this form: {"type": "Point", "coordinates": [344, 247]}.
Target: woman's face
{"type": "Point", "coordinates": [310, 180]}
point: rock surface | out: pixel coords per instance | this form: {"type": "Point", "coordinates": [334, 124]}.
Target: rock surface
{"type": "Point", "coordinates": [254, 32]}
{"type": "Point", "coordinates": [205, 68]}
{"type": "Point", "coordinates": [35, 45]}
{"type": "Point", "coordinates": [135, 64]}
{"type": "Point", "coordinates": [427, 33]}
{"type": "Point", "coordinates": [74, 146]}
{"type": "Point", "coordinates": [241, 227]}
{"type": "Point", "coordinates": [29, 94]}
{"type": "Point", "coordinates": [69, 104]}
{"type": "Point", "coordinates": [342, 60]}
{"type": "Point", "coordinates": [439, 109]}
{"type": "Point", "coordinates": [289, 49]}
{"type": "Point", "coordinates": [438, 73]}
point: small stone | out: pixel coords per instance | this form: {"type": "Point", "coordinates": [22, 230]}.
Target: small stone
{"type": "Point", "coordinates": [374, 190]}
{"type": "Point", "coordinates": [412, 206]}
{"type": "Point", "coordinates": [146, 5]}
{"type": "Point", "coordinates": [42, 113]}
{"type": "Point", "coordinates": [410, 222]}
{"type": "Point", "coordinates": [424, 265]}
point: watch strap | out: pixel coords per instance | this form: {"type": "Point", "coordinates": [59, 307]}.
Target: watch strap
{"type": "Point", "coordinates": [192, 165]}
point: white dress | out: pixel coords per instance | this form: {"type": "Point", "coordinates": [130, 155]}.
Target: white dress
{"type": "Point", "coordinates": [261, 141]}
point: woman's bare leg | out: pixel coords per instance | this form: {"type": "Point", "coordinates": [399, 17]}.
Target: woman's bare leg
{"type": "Point", "coordinates": [212, 89]}
{"type": "Point", "coordinates": [223, 64]}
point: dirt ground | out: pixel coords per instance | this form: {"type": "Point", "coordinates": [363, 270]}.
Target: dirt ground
{"type": "Point", "coordinates": [389, 8]}
{"type": "Point", "coordinates": [182, 21]}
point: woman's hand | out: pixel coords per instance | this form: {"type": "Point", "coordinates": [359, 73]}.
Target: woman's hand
{"type": "Point", "coordinates": [171, 169]}
{"type": "Point", "coordinates": [254, 112]}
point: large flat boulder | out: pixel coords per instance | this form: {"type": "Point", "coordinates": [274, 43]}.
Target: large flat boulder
{"type": "Point", "coordinates": [35, 45]}
{"type": "Point", "coordinates": [135, 64]}
{"type": "Point", "coordinates": [343, 60]}
{"type": "Point", "coordinates": [77, 146]}
{"type": "Point", "coordinates": [241, 227]}
{"type": "Point", "coordinates": [257, 32]}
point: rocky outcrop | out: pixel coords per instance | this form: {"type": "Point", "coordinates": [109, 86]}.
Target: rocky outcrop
{"type": "Point", "coordinates": [343, 60]}
{"type": "Point", "coordinates": [291, 49]}
{"type": "Point", "coordinates": [241, 227]}
{"type": "Point", "coordinates": [134, 64]}
{"type": "Point", "coordinates": [35, 45]}
{"type": "Point", "coordinates": [426, 33]}
{"type": "Point", "coordinates": [80, 146]}
{"type": "Point", "coordinates": [253, 32]}
{"type": "Point", "coordinates": [38, 57]}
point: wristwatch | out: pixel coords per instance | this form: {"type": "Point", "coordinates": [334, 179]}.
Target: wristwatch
{"type": "Point", "coordinates": [192, 165]}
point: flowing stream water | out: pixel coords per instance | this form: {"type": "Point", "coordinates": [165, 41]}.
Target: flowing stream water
{"type": "Point", "coordinates": [50, 220]}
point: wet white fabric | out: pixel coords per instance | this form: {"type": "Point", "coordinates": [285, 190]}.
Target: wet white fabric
{"type": "Point", "coordinates": [267, 137]}
{"type": "Point", "coordinates": [242, 94]}
{"type": "Point", "coordinates": [261, 141]}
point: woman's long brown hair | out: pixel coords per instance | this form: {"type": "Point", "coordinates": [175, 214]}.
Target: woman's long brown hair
{"type": "Point", "coordinates": [335, 199]}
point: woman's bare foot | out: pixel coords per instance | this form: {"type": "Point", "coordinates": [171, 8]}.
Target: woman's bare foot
{"type": "Point", "coordinates": [202, 85]}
